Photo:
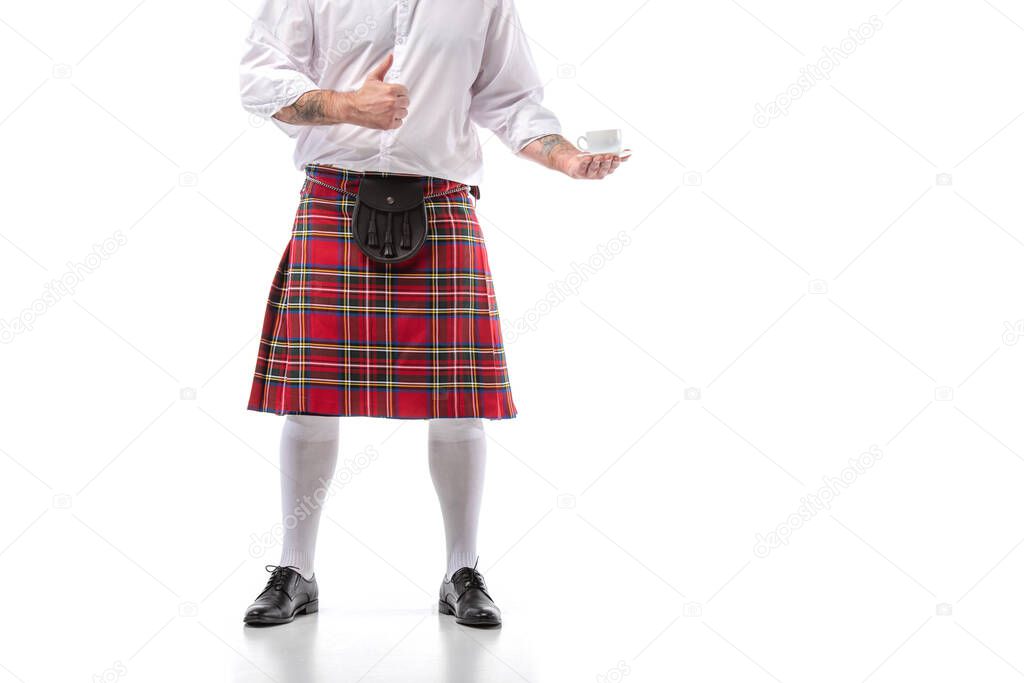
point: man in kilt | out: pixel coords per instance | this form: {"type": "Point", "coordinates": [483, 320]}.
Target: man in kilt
{"type": "Point", "coordinates": [381, 97]}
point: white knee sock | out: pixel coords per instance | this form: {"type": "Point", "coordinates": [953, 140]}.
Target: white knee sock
{"type": "Point", "coordinates": [309, 453]}
{"type": "Point", "coordinates": [457, 452]}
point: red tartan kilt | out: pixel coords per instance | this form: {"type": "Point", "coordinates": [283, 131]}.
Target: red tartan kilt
{"type": "Point", "coordinates": [343, 335]}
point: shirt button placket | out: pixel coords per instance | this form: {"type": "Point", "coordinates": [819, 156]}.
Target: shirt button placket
{"type": "Point", "coordinates": [401, 25]}
{"type": "Point", "coordinates": [401, 39]}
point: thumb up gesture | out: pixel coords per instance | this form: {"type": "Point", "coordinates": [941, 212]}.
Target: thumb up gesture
{"type": "Point", "coordinates": [377, 104]}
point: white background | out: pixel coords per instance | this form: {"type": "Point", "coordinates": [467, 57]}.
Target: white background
{"type": "Point", "coordinates": [812, 283]}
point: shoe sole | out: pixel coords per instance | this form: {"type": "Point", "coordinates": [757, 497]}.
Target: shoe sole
{"type": "Point", "coordinates": [308, 608]}
{"type": "Point", "coordinates": [444, 608]}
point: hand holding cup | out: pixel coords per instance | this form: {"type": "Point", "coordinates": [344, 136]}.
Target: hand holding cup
{"type": "Point", "coordinates": [602, 154]}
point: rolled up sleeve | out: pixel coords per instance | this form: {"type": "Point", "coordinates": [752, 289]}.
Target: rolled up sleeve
{"type": "Point", "coordinates": [507, 94]}
{"type": "Point", "coordinates": [276, 65]}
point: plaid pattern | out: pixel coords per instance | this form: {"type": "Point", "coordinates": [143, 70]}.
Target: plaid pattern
{"type": "Point", "coordinates": [343, 335]}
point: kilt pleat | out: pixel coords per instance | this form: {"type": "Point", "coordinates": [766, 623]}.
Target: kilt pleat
{"type": "Point", "coordinates": [343, 335]}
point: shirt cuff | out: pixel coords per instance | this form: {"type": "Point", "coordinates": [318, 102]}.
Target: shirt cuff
{"type": "Point", "coordinates": [527, 123]}
{"type": "Point", "coordinates": [275, 96]}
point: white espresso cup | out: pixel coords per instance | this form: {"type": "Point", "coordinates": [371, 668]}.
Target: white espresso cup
{"type": "Point", "coordinates": [601, 141]}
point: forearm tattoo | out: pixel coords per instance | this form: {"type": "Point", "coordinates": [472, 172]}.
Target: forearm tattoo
{"type": "Point", "coordinates": [309, 109]}
{"type": "Point", "coordinates": [549, 143]}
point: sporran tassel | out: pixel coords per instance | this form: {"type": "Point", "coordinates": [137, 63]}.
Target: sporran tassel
{"type": "Point", "coordinates": [406, 238]}
{"type": "Point", "coordinates": [371, 229]}
{"type": "Point", "coordinates": [389, 247]}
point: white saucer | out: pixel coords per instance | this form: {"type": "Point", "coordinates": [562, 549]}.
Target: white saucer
{"type": "Point", "coordinates": [623, 154]}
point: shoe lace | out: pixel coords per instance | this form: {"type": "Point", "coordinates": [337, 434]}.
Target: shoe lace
{"type": "Point", "coordinates": [278, 577]}
{"type": "Point", "coordinates": [469, 577]}
{"type": "Point", "coordinates": [473, 579]}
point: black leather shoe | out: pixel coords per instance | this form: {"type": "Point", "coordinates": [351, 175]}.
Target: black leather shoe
{"type": "Point", "coordinates": [466, 597]}
{"type": "Point", "coordinates": [286, 595]}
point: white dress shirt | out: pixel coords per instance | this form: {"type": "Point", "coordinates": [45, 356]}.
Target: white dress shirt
{"type": "Point", "coordinates": [463, 61]}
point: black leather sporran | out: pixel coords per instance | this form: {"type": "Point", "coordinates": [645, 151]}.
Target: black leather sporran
{"type": "Point", "coordinates": [389, 222]}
